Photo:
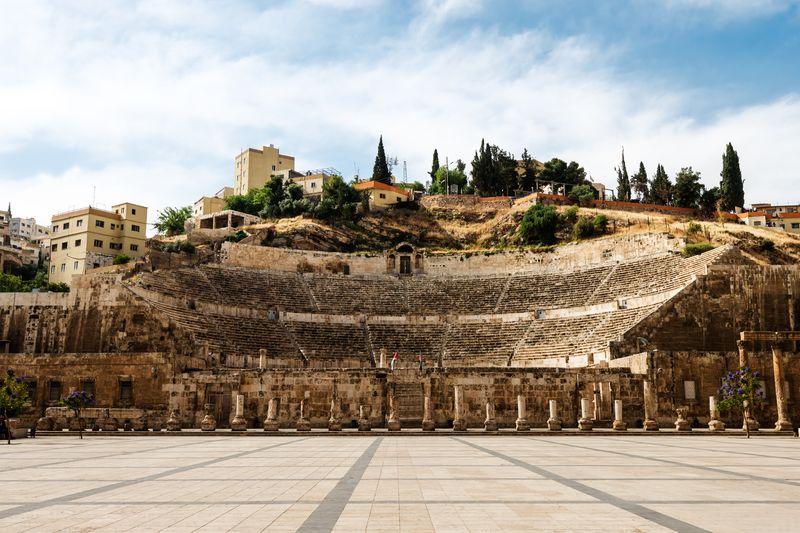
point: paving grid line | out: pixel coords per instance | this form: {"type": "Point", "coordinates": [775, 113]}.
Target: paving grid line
{"type": "Point", "coordinates": [262, 479]}
{"type": "Point", "coordinates": [716, 470]}
{"type": "Point", "coordinates": [717, 450]}
{"type": "Point", "coordinates": [69, 498]}
{"type": "Point", "coordinates": [639, 510]}
{"type": "Point", "coordinates": [93, 457]}
{"type": "Point", "coordinates": [327, 513]}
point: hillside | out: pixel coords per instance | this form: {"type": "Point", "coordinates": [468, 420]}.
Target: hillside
{"type": "Point", "coordinates": [493, 225]}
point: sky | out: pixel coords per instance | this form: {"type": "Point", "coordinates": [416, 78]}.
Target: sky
{"type": "Point", "coordinates": [149, 101]}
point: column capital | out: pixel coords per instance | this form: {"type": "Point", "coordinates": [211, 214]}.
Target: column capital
{"type": "Point", "coordinates": [776, 346]}
{"type": "Point", "coordinates": [741, 344]}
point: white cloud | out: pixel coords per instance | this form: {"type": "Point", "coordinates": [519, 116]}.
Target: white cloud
{"type": "Point", "coordinates": [160, 106]}
{"type": "Point", "coordinates": [736, 8]}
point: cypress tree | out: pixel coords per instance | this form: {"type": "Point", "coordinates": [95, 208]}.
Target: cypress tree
{"type": "Point", "coordinates": [380, 172]}
{"type": "Point", "coordinates": [623, 182]}
{"type": "Point", "coordinates": [639, 184]}
{"type": "Point", "coordinates": [434, 165]}
{"type": "Point", "coordinates": [732, 185]}
{"type": "Point", "coordinates": [661, 187]}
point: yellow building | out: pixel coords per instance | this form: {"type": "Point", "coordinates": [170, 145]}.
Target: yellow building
{"type": "Point", "coordinates": [211, 204]}
{"type": "Point", "coordinates": [312, 182]}
{"type": "Point", "coordinates": [88, 238]}
{"type": "Point", "coordinates": [382, 195]}
{"type": "Point", "coordinates": [788, 222]}
{"type": "Point", "coordinates": [253, 168]}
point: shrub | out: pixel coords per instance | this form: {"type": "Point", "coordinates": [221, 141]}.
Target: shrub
{"type": "Point", "coordinates": [178, 246]}
{"type": "Point", "coordinates": [766, 245]}
{"type": "Point", "coordinates": [57, 287]}
{"type": "Point", "coordinates": [600, 223]}
{"type": "Point", "coordinates": [539, 225]}
{"type": "Point", "coordinates": [583, 228]}
{"type": "Point", "coordinates": [121, 259]}
{"type": "Point", "coordinates": [696, 249]}
{"type": "Point", "coordinates": [236, 237]}
{"type": "Point", "coordinates": [693, 228]}
{"type": "Point", "coordinates": [570, 215]}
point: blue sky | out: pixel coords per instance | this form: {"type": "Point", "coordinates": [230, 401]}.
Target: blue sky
{"type": "Point", "coordinates": [149, 101]}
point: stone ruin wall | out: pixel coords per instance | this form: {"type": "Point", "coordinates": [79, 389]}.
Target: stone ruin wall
{"type": "Point", "coordinates": [564, 258]}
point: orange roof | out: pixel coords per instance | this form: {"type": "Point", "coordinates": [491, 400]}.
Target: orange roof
{"type": "Point", "coordinates": [787, 215]}
{"type": "Point", "coordinates": [750, 214]}
{"type": "Point", "coordinates": [365, 185]}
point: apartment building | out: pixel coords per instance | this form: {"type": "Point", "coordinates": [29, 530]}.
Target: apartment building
{"type": "Point", "coordinates": [776, 210]}
{"type": "Point", "coordinates": [207, 205]}
{"type": "Point", "coordinates": [252, 168]}
{"type": "Point", "coordinates": [88, 238]}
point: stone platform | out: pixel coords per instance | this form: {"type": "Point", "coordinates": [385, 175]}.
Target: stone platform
{"type": "Point", "coordinates": [458, 482]}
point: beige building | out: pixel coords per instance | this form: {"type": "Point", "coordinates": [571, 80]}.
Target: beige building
{"type": "Point", "coordinates": [754, 218]}
{"type": "Point", "coordinates": [88, 238]}
{"type": "Point", "coordinates": [252, 168]}
{"type": "Point", "coordinates": [788, 222]}
{"type": "Point", "coordinates": [776, 210]}
{"type": "Point", "coordinates": [382, 195]}
{"type": "Point", "coordinates": [312, 182]}
{"type": "Point", "coordinates": [211, 204]}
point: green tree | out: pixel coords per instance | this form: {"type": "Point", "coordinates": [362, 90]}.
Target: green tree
{"type": "Point", "coordinates": [661, 187]}
{"type": "Point", "coordinates": [741, 389]}
{"type": "Point", "coordinates": [415, 186]}
{"type": "Point", "coordinates": [732, 185]}
{"type": "Point", "coordinates": [526, 172]}
{"type": "Point", "coordinates": [688, 188]}
{"type": "Point", "coordinates": [582, 195]}
{"type": "Point", "coordinates": [639, 184]}
{"type": "Point", "coordinates": [623, 181]}
{"type": "Point", "coordinates": [339, 201]}
{"type": "Point", "coordinates": [443, 178]}
{"type": "Point", "coordinates": [434, 165]}
{"type": "Point", "coordinates": [559, 171]}
{"type": "Point", "coordinates": [11, 283]}
{"type": "Point", "coordinates": [122, 259]}
{"type": "Point", "coordinates": [380, 172]}
{"type": "Point", "coordinates": [13, 395]}
{"type": "Point", "coordinates": [708, 201]}
{"type": "Point", "coordinates": [171, 220]}
{"type": "Point", "coordinates": [539, 225]}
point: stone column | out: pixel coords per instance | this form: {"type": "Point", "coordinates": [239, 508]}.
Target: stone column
{"type": "Point", "coordinates": [490, 424]}
{"type": "Point", "coordinates": [382, 361]}
{"type": "Point", "coordinates": [363, 419]}
{"type": "Point", "coordinates": [783, 423]}
{"type": "Point", "coordinates": [262, 359]}
{"type": "Point", "coordinates": [239, 423]}
{"type": "Point", "coordinates": [681, 424]}
{"type": "Point", "coordinates": [522, 415]}
{"type": "Point", "coordinates": [742, 346]}
{"type": "Point", "coordinates": [334, 424]}
{"type": "Point", "coordinates": [271, 423]}
{"type": "Point", "coordinates": [553, 423]}
{"type": "Point", "coordinates": [585, 423]}
{"type": "Point", "coordinates": [208, 423]}
{"type": "Point", "coordinates": [619, 423]}
{"type": "Point", "coordinates": [714, 423]}
{"type": "Point", "coordinates": [597, 415]}
{"type": "Point", "coordinates": [302, 422]}
{"type": "Point", "coordinates": [650, 407]}
{"type": "Point", "coordinates": [427, 419]}
{"type": "Point", "coordinates": [174, 421]}
{"type": "Point", "coordinates": [393, 424]}
{"type": "Point", "coordinates": [459, 424]}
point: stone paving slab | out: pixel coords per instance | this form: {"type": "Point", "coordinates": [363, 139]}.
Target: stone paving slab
{"type": "Point", "coordinates": [461, 482]}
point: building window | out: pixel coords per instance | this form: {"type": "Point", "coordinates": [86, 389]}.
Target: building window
{"type": "Point", "coordinates": [113, 226]}
{"type": "Point", "coordinates": [381, 195]}
{"type": "Point", "coordinates": [64, 245]}
{"type": "Point", "coordinates": [30, 384]}
{"type": "Point", "coordinates": [79, 222]}
{"type": "Point", "coordinates": [100, 223]}
{"type": "Point", "coordinates": [53, 247]}
{"type": "Point", "coordinates": [54, 391]}
{"type": "Point", "coordinates": [689, 390]}
{"type": "Point", "coordinates": [313, 184]}
{"type": "Point", "coordinates": [756, 223]}
{"type": "Point", "coordinates": [52, 269]}
{"type": "Point", "coordinates": [55, 228]}
{"type": "Point", "coordinates": [63, 267]}
{"type": "Point", "coordinates": [87, 386]}
{"type": "Point", "coordinates": [66, 225]}
{"type": "Point", "coordinates": [77, 242]}
{"type": "Point", "coordinates": [122, 227]}
{"type": "Point", "coordinates": [134, 227]}
{"type": "Point", "coordinates": [133, 211]}
{"type": "Point", "coordinates": [75, 265]}
{"type": "Point", "coordinates": [115, 246]}
{"type": "Point", "coordinates": [795, 225]}
{"type": "Point", "coordinates": [273, 167]}
{"type": "Point", "coordinates": [134, 247]}
{"type": "Point", "coordinates": [125, 390]}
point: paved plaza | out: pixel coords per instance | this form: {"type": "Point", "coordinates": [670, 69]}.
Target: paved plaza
{"type": "Point", "coordinates": [400, 483]}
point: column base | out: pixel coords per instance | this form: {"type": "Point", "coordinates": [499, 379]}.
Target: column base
{"type": "Point", "coordinates": [585, 424]}
{"type": "Point", "coordinates": [459, 425]}
{"type": "Point", "coordinates": [393, 425]}
{"type": "Point", "coordinates": [238, 424]}
{"type": "Point", "coordinates": [364, 425]}
{"type": "Point", "coordinates": [303, 425]}
{"type": "Point", "coordinates": [208, 423]}
{"type": "Point", "coordinates": [752, 423]}
{"type": "Point", "coordinates": [716, 425]}
{"type": "Point", "coordinates": [650, 425]}
{"type": "Point", "coordinates": [683, 425]}
{"type": "Point", "coordinates": [523, 425]}
{"type": "Point", "coordinates": [783, 425]}
{"type": "Point", "coordinates": [619, 425]}
{"type": "Point", "coordinates": [428, 425]}
{"type": "Point", "coordinates": [554, 424]}
{"type": "Point", "coordinates": [334, 425]}
{"type": "Point", "coordinates": [270, 425]}
{"type": "Point", "coordinates": [490, 424]}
